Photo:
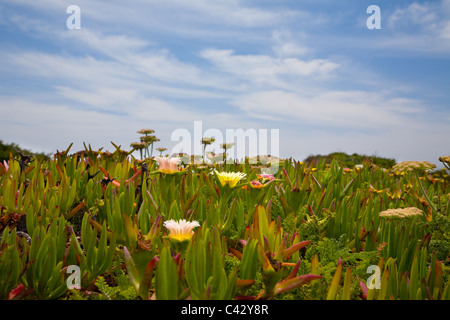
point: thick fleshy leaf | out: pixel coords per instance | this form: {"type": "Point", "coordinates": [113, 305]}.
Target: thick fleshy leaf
{"type": "Point", "coordinates": [74, 211]}
{"type": "Point", "coordinates": [289, 251]}
{"type": "Point", "coordinates": [146, 280]}
{"type": "Point", "coordinates": [131, 231]}
{"type": "Point", "coordinates": [294, 271]}
{"type": "Point", "coordinates": [364, 289]}
{"type": "Point", "coordinates": [245, 282]}
{"type": "Point", "coordinates": [331, 295]}
{"type": "Point", "coordinates": [294, 283]}
{"type": "Point", "coordinates": [348, 186]}
{"type": "Point", "coordinates": [131, 268]}
{"type": "Point", "coordinates": [315, 264]}
{"type": "Point", "coordinates": [280, 254]}
{"type": "Point", "coordinates": [236, 253]}
{"type": "Point", "coordinates": [347, 284]}
{"type": "Point", "coordinates": [249, 261]}
{"type": "Point", "coordinates": [438, 279]}
{"type": "Point", "coordinates": [166, 284]}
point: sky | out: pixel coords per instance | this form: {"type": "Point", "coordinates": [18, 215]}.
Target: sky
{"type": "Point", "coordinates": [309, 73]}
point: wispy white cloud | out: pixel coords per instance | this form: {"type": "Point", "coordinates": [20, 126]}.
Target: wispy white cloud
{"type": "Point", "coordinates": [287, 45]}
{"type": "Point", "coordinates": [200, 19]}
{"type": "Point", "coordinates": [425, 15]}
{"type": "Point", "coordinates": [268, 70]}
{"type": "Point", "coordinates": [349, 110]}
{"type": "Point", "coordinates": [420, 27]}
{"type": "Point", "coordinates": [266, 66]}
{"type": "Point", "coordinates": [233, 12]}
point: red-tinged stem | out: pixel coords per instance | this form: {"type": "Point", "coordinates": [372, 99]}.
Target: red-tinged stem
{"type": "Point", "coordinates": [137, 174]}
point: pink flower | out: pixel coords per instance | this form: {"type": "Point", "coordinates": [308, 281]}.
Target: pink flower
{"type": "Point", "coordinates": [265, 176]}
{"type": "Point", "coordinates": [256, 184]}
{"type": "Point", "coordinates": [168, 165]}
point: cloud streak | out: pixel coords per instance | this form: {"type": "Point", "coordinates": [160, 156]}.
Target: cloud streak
{"type": "Point", "coordinates": [351, 110]}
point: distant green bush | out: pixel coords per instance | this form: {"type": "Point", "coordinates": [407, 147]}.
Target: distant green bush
{"type": "Point", "coordinates": [350, 161]}
{"type": "Point", "coordinates": [12, 148]}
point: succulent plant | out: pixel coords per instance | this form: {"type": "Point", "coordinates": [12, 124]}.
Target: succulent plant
{"type": "Point", "coordinates": [189, 230]}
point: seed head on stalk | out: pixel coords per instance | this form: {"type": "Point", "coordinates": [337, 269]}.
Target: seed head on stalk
{"type": "Point", "coordinates": [446, 161]}
{"type": "Point", "coordinates": [416, 167]}
{"type": "Point", "coordinates": [206, 141]}
{"type": "Point", "coordinates": [161, 150]}
{"type": "Point", "coordinates": [138, 146]}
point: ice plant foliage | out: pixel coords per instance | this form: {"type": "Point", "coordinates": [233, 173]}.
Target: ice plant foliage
{"type": "Point", "coordinates": [187, 230]}
{"type": "Point", "coordinates": [181, 230]}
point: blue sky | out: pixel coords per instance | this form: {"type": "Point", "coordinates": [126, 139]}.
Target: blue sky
{"type": "Point", "coordinates": [311, 69]}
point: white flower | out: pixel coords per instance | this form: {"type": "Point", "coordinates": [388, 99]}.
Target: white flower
{"type": "Point", "coordinates": [181, 230]}
{"type": "Point", "coordinates": [401, 213]}
{"type": "Point", "coordinates": [168, 165]}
